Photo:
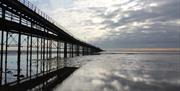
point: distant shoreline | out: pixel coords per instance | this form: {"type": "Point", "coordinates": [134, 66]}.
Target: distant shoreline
{"type": "Point", "coordinates": [145, 49]}
{"type": "Point", "coordinates": [140, 52]}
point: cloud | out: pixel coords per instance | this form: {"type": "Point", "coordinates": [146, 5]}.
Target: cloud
{"type": "Point", "coordinates": [119, 23]}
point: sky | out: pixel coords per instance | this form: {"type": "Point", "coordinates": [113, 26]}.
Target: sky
{"type": "Point", "coordinates": [118, 23]}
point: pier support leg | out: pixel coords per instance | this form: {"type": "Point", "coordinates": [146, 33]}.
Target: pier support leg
{"type": "Point", "coordinates": [19, 55]}
{"type": "Point", "coordinates": [27, 58]}
{"type": "Point", "coordinates": [77, 50]}
{"type": "Point", "coordinates": [1, 66]}
{"type": "Point", "coordinates": [2, 51]}
{"type": "Point", "coordinates": [47, 53]}
{"type": "Point", "coordinates": [65, 49]}
{"type": "Point", "coordinates": [58, 47]}
{"type": "Point", "coordinates": [44, 52]}
{"type": "Point", "coordinates": [83, 50]}
{"type": "Point", "coordinates": [30, 67]}
{"type": "Point", "coordinates": [19, 58]}
{"type": "Point", "coordinates": [37, 70]}
{"type": "Point", "coordinates": [6, 54]}
{"type": "Point", "coordinates": [72, 50]}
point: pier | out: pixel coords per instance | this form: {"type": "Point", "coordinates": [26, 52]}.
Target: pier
{"type": "Point", "coordinates": [38, 43]}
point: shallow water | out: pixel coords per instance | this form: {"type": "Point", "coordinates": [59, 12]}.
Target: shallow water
{"type": "Point", "coordinates": [124, 72]}
{"type": "Point", "coordinates": [12, 66]}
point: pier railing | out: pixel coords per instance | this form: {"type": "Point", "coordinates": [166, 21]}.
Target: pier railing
{"type": "Point", "coordinates": [44, 15]}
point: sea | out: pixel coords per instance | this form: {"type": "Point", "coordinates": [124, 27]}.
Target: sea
{"type": "Point", "coordinates": [114, 70]}
{"type": "Point", "coordinates": [117, 70]}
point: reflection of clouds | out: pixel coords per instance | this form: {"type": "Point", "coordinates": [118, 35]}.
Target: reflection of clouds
{"type": "Point", "coordinates": [98, 82]}
{"type": "Point", "coordinates": [122, 72]}
{"type": "Point", "coordinates": [117, 73]}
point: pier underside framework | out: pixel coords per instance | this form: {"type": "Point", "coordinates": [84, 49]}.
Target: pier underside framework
{"type": "Point", "coordinates": [37, 42]}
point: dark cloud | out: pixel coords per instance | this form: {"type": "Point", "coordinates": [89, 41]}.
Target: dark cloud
{"type": "Point", "coordinates": [166, 12]}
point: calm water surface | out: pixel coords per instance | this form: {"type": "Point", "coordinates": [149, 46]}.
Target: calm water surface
{"type": "Point", "coordinates": [124, 72]}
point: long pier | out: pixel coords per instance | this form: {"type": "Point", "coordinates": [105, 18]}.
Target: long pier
{"type": "Point", "coordinates": [37, 42]}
